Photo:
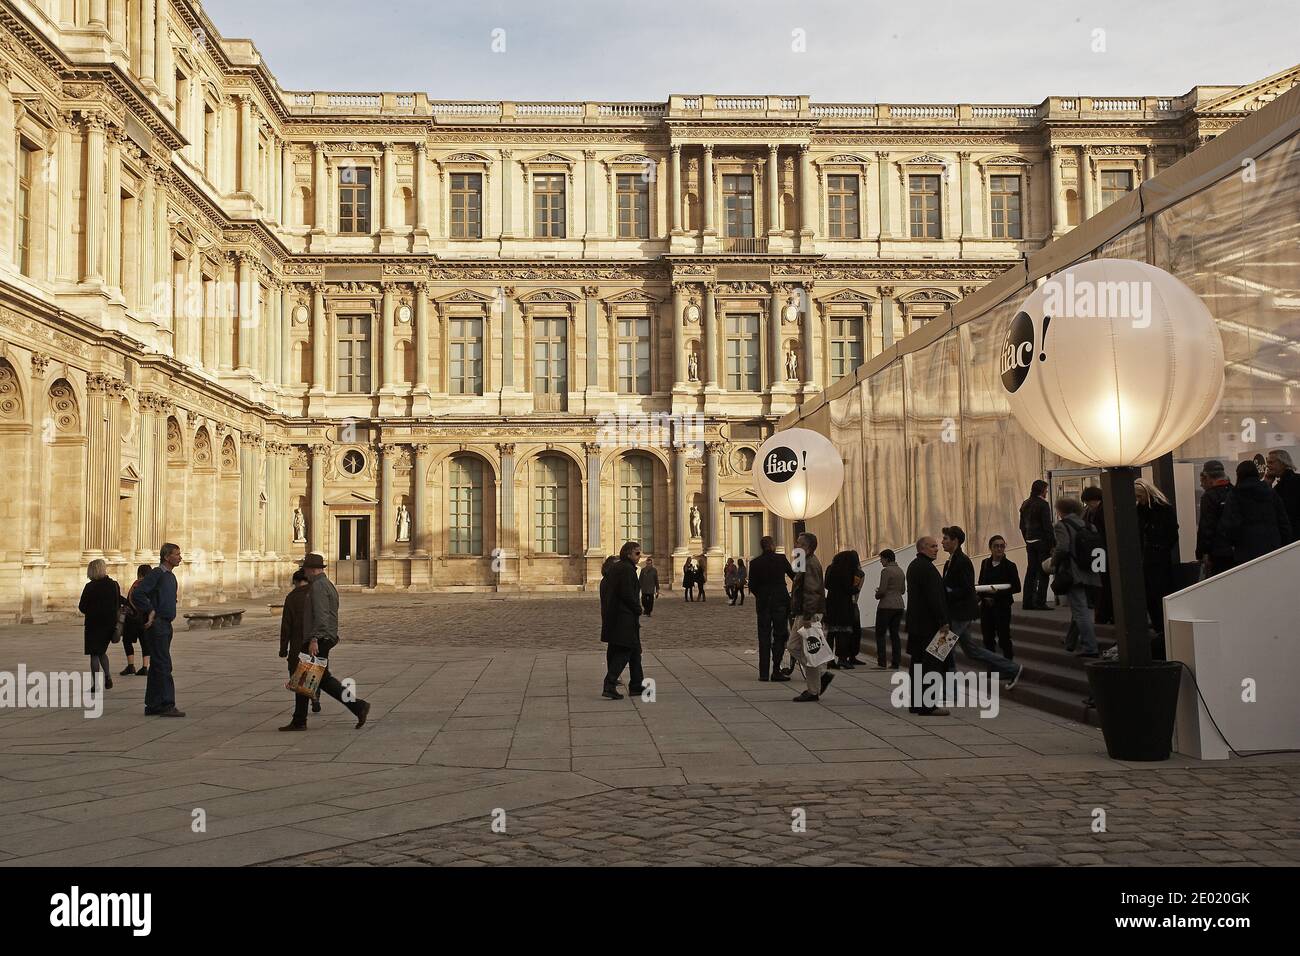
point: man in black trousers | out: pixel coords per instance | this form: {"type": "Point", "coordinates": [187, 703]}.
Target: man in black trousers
{"type": "Point", "coordinates": [621, 627]}
{"type": "Point", "coordinates": [995, 608]}
{"type": "Point", "coordinates": [1036, 528]}
{"type": "Point", "coordinates": [927, 615]}
{"type": "Point", "coordinates": [767, 574]}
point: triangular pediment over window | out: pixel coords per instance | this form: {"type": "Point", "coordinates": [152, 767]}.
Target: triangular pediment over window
{"type": "Point", "coordinates": [351, 499]}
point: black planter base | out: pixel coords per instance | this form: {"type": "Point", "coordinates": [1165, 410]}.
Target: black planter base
{"type": "Point", "coordinates": [1136, 706]}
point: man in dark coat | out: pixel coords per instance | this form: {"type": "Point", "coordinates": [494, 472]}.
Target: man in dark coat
{"type": "Point", "coordinates": [649, 586]}
{"type": "Point", "coordinates": [767, 574]}
{"type": "Point", "coordinates": [621, 603]}
{"type": "Point", "coordinates": [995, 608]}
{"type": "Point", "coordinates": [1215, 557]}
{"type": "Point", "coordinates": [155, 596]}
{"type": "Point", "coordinates": [1036, 529]}
{"type": "Point", "coordinates": [963, 608]}
{"type": "Point", "coordinates": [1254, 518]}
{"type": "Point", "coordinates": [293, 626]}
{"type": "Point", "coordinates": [1280, 472]}
{"type": "Point", "coordinates": [926, 616]}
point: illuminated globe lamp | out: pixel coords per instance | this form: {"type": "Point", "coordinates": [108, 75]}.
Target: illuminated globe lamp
{"type": "Point", "coordinates": [798, 474]}
{"type": "Point", "coordinates": [1113, 363]}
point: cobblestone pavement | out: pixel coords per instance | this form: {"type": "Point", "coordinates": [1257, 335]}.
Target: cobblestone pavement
{"type": "Point", "coordinates": [1200, 817]}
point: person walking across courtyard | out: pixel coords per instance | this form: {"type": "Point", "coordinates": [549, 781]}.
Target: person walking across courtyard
{"type": "Point", "coordinates": [101, 599]}
{"type": "Point", "coordinates": [927, 617]}
{"type": "Point", "coordinates": [322, 630]}
{"type": "Point", "coordinates": [995, 608]}
{"type": "Point", "coordinates": [742, 579]}
{"type": "Point", "coordinates": [767, 574]}
{"type": "Point", "coordinates": [807, 605]}
{"type": "Point", "coordinates": [729, 579]}
{"type": "Point", "coordinates": [889, 608]}
{"type": "Point", "coordinates": [621, 612]}
{"type": "Point", "coordinates": [649, 580]}
{"type": "Point", "coordinates": [1036, 529]}
{"type": "Point", "coordinates": [963, 608]}
{"type": "Point", "coordinates": [133, 630]}
{"type": "Point", "coordinates": [1071, 564]}
{"type": "Point", "coordinates": [293, 626]}
{"type": "Point", "coordinates": [156, 597]}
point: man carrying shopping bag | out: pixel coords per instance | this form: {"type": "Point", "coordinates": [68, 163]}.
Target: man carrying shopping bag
{"type": "Point", "coordinates": [807, 605]}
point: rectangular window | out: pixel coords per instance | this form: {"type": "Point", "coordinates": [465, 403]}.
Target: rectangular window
{"type": "Point", "coordinates": [467, 205]}
{"type": "Point", "coordinates": [742, 353]}
{"type": "Point", "coordinates": [842, 202]}
{"type": "Point", "coordinates": [548, 206]}
{"type": "Point", "coordinates": [633, 207]}
{"type": "Point", "coordinates": [465, 357]}
{"type": "Point", "coordinates": [1004, 206]}
{"type": "Point", "coordinates": [923, 192]}
{"type": "Point", "coordinates": [354, 354]}
{"type": "Point", "coordinates": [551, 515]}
{"type": "Point", "coordinates": [465, 507]}
{"type": "Point", "coordinates": [634, 355]}
{"type": "Point", "coordinates": [1114, 184]}
{"type": "Point", "coordinates": [846, 345]}
{"type": "Point", "coordinates": [23, 208]}
{"type": "Point", "coordinates": [550, 363]}
{"type": "Point", "coordinates": [354, 200]}
{"type": "Point", "coordinates": [738, 205]}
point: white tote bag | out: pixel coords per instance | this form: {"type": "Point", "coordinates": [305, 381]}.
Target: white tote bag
{"type": "Point", "coordinates": [816, 649]}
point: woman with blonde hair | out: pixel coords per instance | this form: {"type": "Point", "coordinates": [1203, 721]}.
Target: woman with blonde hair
{"type": "Point", "coordinates": [100, 600]}
{"type": "Point", "coordinates": [1158, 535]}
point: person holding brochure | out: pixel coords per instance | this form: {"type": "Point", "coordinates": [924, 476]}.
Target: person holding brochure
{"type": "Point", "coordinates": [999, 581]}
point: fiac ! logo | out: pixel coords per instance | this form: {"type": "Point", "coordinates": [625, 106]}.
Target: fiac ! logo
{"type": "Point", "coordinates": [780, 464]}
{"type": "Point", "coordinates": [1018, 350]}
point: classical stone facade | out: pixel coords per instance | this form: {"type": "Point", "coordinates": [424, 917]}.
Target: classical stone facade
{"type": "Point", "coordinates": [460, 344]}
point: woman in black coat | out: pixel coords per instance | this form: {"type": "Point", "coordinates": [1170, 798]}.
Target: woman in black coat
{"type": "Point", "coordinates": [100, 599]}
{"type": "Point", "coordinates": [688, 578]}
{"type": "Point", "coordinates": [699, 579]}
{"type": "Point", "coordinates": [843, 627]}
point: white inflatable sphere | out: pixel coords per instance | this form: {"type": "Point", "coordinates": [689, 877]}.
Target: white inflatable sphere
{"type": "Point", "coordinates": [798, 474]}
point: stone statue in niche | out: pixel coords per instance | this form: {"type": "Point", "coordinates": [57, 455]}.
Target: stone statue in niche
{"type": "Point", "coordinates": [403, 523]}
{"type": "Point", "coordinates": [299, 526]}
{"type": "Point", "coordinates": [792, 365]}
{"type": "Point", "coordinates": [697, 524]}
{"type": "Point", "coordinates": [693, 366]}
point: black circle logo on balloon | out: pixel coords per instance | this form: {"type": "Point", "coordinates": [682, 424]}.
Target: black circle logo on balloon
{"type": "Point", "coordinates": [1017, 352]}
{"type": "Point", "coordinates": [780, 464]}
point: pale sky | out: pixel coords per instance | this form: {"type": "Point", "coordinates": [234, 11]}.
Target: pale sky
{"type": "Point", "coordinates": [944, 51]}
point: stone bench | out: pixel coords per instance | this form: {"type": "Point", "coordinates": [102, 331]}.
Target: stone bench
{"type": "Point", "coordinates": [215, 617]}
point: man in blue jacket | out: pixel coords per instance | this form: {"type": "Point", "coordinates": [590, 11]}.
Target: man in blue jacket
{"type": "Point", "coordinates": [155, 596]}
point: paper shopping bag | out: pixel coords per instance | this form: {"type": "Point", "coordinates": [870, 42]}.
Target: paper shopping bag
{"type": "Point", "coordinates": [308, 675]}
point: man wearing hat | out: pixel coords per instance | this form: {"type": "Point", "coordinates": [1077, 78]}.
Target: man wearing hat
{"type": "Point", "coordinates": [1214, 554]}
{"type": "Point", "coordinates": [963, 606]}
{"type": "Point", "coordinates": [322, 634]}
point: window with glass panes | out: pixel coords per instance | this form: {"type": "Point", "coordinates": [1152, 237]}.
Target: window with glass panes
{"type": "Point", "coordinates": [354, 353]}
{"type": "Point", "coordinates": [633, 354]}
{"type": "Point", "coordinates": [23, 208]}
{"type": "Point", "coordinates": [636, 501]}
{"type": "Point", "coordinates": [1114, 184]}
{"type": "Point", "coordinates": [467, 205]}
{"type": "Point", "coordinates": [738, 205]}
{"type": "Point", "coordinates": [742, 352]}
{"type": "Point", "coordinates": [1004, 206]}
{"type": "Point", "coordinates": [550, 361]}
{"type": "Point", "coordinates": [842, 206]}
{"type": "Point", "coordinates": [548, 205]}
{"type": "Point", "coordinates": [923, 195]}
{"type": "Point", "coordinates": [354, 200]}
{"type": "Point", "coordinates": [846, 344]}
{"type": "Point", "coordinates": [465, 506]}
{"type": "Point", "coordinates": [633, 206]}
{"type": "Point", "coordinates": [465, 356]}
{"type": "Point", "coordinates": [551, 505]}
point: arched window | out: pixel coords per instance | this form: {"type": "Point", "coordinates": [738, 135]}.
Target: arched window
{"type": "Point", "coordinates": [636, 501]}
{"type": "Point", "coordinates": [465, 506]}
{"type": "Point", "coordinates": [551, 505]}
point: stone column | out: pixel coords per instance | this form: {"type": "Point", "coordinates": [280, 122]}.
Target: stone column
{"type": "Point", "coordinates": [249, 449]}
{"type": "Point", "coordinates": [882, 183]}
{"type": "Point", "coordinates": [162, 263]}
{"type": "Point", "coordinates": [592, 304]}
{"type": "Point", "coordinates": [773, 174]}
{"type": "Point", "coordinates": [422, 195]}
{"type": "Point", "coordinates": [887, 316]}
{"type": "Point", "coordinates": [388, 453]}
{"type": "Point", "coordinates": [288, 183]}
{"type": "Point", "coordinates": [681, 509]}
{"type": "Point", "coordinates": [1060, 215]}
{"type": "Point", "coordinates": [1085, 183]}
{"type": "Point", "coordinates": [593, 498]}
{"type": "Point", "coordinates": [776, 304]}
{"type": "Point", "coordinates": [679, 345]}
{"type": "Point", "coordinates": [319, 188]}
{"type": "Point", "coordinates": [386, 342]}
{"type": "Point", "coordinates": [247, 321]}
{"type": "Point", "coordinates": [247, 143]}
{"type": "Point", "coordinates": [706, 191]}
{"type": "Point", "coordinates": [589, 190]}
{"type": "Point", "coordinates": [675, 192]}
{"type": "Point", "coordinates": [507, 197]}
{"type": "Point", "coordinates": [807, 194]}
{"type": "Point", "coordinates": [389, 174]}
{"type": "Point", "coordinates": [98, 14]}
{"type": "Point", "coordinates": [146, 535]}
{"type": "Point", "coordinates": [421, 332]}
{"type": "Point", "coordinates": [710, 337]}
{"type": "Point", "coordinates": [113, 213]}
{"type": "Point", "coordinates": [967, 224]}
{"type": "Point", "coordinates": [317, 339]}
{"type": "Point", "coordinates": [507, 338]}
{"type": "Point", "coordinates": [778, 531]}
{"type": "Point", "coordinates": [420, 539]}
{"type": "Point", "coordinates": [1149, 163]}
{"type": "Point", "coordinates": [226, 310]}
{"type": "Point", "coordinates": [286, 333]}
{"type": "Point", "coordinates": [713, 452]}
{"type": "Point", "coordinates": [96, 130]}
{"type": "Point", "coordinates": [811, 330]}
{"type": "Point", "coordinates": [316, 522]}
{"type": "Point", "coordinates": [508, 521]}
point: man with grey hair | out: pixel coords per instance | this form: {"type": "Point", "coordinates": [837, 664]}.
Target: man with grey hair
{"type": "Point", "coordinates": [1280, 472]}
{"type": "Point", "coordinates": [155, 596]}
{"type": "Point", "coordinates": [1215, 558]}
